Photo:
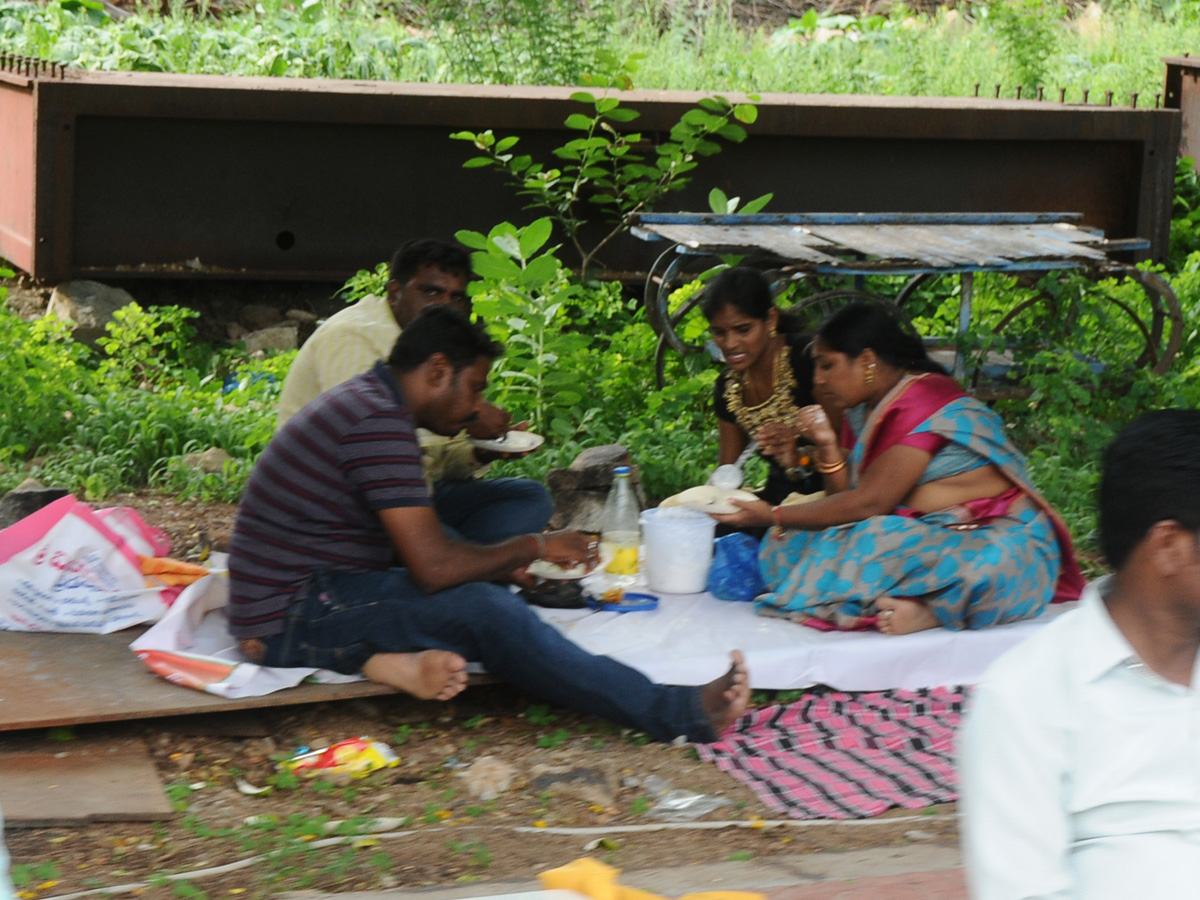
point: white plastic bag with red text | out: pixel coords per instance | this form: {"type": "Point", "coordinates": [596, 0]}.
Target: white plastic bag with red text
{"type": "Point", "coordinates": [63, 569]}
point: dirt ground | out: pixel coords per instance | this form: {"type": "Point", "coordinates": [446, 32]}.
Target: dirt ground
{"type": "Point", "coordinates": [445, 835]}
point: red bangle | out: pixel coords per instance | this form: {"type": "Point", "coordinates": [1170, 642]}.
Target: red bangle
{"type": "Point", "coordinates": [775, 510]}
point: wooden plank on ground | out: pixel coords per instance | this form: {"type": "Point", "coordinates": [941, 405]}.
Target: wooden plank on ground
{"type": "Point", "coordinates": [72, 679]}
{"type": "Point", "coordinates": [109, 779]}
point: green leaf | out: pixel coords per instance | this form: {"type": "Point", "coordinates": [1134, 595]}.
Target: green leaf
{"type": "Point", "coordinates": [746, 112]}
{"type": "Point", "coordinates": [583, 97]}
{"type": "Point", "coordinates": [698, 118]}
{"type": "Point", "coordinates": [718, 202]}
{"type": "Point", "coordinates": [541, 271]}
{"type": "Point", "coordinates": [463, 136]}
{"type": "Point", "coordinates": [509, 244]}
{"type": "Point", "coordinates": [579, 122]}
{"type": "Point", "coordinates": [495, 267]}
{"type": "Point", "coordinates": [624, 114]}
{"type": "Point", "coordinates": [757, 204]}
{"type": "Point", "coordinates": [477, 162]}
{"type": "Point", "coordinates": [506, 144]}
{"type": "Point", "coordinates": [472, 239]}
{"type": "Point", "coordinates": [534, 236]}
{"type": "Point", "coordinates": [732, 132]}
{"type": "Point", "coordinates": [607, 104]}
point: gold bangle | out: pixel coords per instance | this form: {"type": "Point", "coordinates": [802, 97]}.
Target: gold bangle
{"type": "Point", "coordinates": [830, 468]}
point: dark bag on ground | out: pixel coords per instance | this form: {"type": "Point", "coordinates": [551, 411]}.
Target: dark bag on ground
{"type": "Point", "coordinates": [734, 574]}
{"type": "Point", "coordinates": [555, 595]}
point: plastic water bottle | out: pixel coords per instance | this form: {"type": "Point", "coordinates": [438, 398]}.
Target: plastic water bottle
{"type": "Point", "coordinates": [620, 533]}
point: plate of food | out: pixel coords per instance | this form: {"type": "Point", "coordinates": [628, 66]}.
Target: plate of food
{"type": "Point", "coordinates": [511, 442]}
{"type": "Point", "coordinates": [709, 498]}
{"type": "Point", "coordinates": [543, 568]}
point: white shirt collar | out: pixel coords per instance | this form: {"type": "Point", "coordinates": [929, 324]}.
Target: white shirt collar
{"type": "Point", "coordinates": [1101, 645]}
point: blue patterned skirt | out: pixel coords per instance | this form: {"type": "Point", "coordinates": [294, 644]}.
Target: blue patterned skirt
{"type": "Point", "coordinates": [970, 575]}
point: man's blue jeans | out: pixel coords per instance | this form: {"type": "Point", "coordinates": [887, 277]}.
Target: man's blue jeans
{"type": "Point", "coordinates": [490, 510]}
{"type": "Point", "coordinates": [345, 618]}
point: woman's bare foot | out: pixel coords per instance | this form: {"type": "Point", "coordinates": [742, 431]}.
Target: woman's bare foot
{"type": "Point", "coordinates": [898, 616]}
{"type": "Point", "coordinates": [724, 699]}
{"type": "Point", "coordinates": [428, 675]}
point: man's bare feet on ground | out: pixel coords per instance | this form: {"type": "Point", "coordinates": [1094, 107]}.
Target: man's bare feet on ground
{"type": "Point", "coordinates": [724, 699]}
{"type": "Point", "coordinates": [898, 616]}
{"type": "Point", "coordinates": [428, 675]}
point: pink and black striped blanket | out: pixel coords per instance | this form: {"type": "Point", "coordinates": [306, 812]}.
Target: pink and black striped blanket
{"type": "Point", "coordinates": [847, 756]}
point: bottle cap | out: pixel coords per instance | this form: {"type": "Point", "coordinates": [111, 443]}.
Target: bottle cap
{"type": "Point", "coordinates": [621, 470]}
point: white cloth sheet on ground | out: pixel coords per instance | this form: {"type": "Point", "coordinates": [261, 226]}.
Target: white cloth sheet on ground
{"type": "Point", "coordinates": [685, 641]}
{"type": "Point", "coordinates": [196, 625]}
{"type": "Point", "coordinates": [688, 638]}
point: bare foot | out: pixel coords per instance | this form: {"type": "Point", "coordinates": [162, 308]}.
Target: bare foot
{"type": "Point", "coordinates": [897, 616]}
{"type": "Point", "coordinates": [725, 699]}
{"type": "Point", "coordinates": [428, 675]}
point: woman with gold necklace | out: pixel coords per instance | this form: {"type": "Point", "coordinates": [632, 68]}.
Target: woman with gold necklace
{"type": "Point", "coordinates": [769, 379]}
{"type": "Point", "coordinates": [930, 519]}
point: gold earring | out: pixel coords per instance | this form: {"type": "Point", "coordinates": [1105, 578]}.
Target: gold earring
{"type": "Point", "coordinates": [771, 332]}
{"type": "Point", "coordinates": [870, 376]}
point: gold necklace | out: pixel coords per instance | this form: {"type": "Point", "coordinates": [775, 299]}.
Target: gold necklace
{"type": "Point", "coordinates": [778, 407]}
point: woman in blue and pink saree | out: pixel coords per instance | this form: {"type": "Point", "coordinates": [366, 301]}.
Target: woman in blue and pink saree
{"type": "Point", "coordinates": [930, 519]}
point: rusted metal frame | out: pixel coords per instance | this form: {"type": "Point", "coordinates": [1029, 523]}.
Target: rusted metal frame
{"type": "Point", "coordinates": [17, 175]}
{"type": "Point", "coordinates": [1181, 91]}
{"type": "Point", "coordinates": [239, 99]}
{"type": "Point", "coordinates": [1157, 187]}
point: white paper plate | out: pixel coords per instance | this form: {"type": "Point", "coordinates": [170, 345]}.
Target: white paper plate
{"type": "Point", "coordinates": [552, 572]}
{"type": "Point", "coordinates": [709, 499]}
{"type": "Point", "coordinates": [514, 442]}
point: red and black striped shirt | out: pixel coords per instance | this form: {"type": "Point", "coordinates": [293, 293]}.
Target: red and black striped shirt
{"type": "Point", "coordinates": [312, 499]}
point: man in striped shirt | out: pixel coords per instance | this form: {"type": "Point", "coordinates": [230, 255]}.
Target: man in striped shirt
{"type": "Point", "coordinates": [338, 498]}
{"type": "Point", "coordinates": [423, 273]}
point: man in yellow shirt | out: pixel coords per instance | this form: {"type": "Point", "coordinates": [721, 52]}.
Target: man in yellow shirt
{"type": "Point", "coordinates": [423, 273]}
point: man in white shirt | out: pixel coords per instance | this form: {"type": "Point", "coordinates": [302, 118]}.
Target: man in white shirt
{"type": "Point", "coordinates": [1080, 757]}
{"type": "Point", "coordinates": [423, 273]}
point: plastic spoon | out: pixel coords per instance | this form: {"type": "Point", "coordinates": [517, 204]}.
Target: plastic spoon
{"type": "Point", "coordinates": [729, 477]}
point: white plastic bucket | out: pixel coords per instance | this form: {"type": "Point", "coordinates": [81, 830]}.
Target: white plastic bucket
{"type": "Point", "coordinates": [678, 545]}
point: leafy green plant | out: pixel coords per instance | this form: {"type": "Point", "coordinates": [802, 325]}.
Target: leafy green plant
{"type": "Point", "coordinates": [1028, 29]}
{"type": "Point", "coordinates": [522, 41]}
{"type": "Point", "coordinates": [604, 170]}
{"type": "Point", "coordinates": [539, 714]}
{"type": "Point", "coordinates": [155, 346]}
{"type": "Point", "coordinates": [523, 293]}
{"type": "Point", "coordinates": [27, 874]}
{"type": "Point", "coordinates": [480, 855]}
{"type": "Point", "coordinates": [366, 282]}
{"type": "Point", "coordinates": [639, 806]}
{"type": "Point", "coordinates": [556, 738]}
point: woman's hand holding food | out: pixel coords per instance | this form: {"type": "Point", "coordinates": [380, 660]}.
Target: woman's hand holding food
{"type": "Point", "coordinates": [750, 514]}
{"type": "Point", "coordinates": [778, 441]}
{"type": "Point", "coordinates": [814, 424]}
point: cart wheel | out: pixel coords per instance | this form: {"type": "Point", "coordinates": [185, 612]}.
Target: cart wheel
{"type": "Point", "coordinates": [1156, 327]}
{"type": "Point", "coordinates": [671, 322]}
{"type": "Point", "coordinates": [826, 303]}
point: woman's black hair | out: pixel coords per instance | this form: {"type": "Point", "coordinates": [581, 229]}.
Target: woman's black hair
{"type": "Point", "coordinates": [862, 325]}
{"type": "Point", "coordinates": [748, 291]}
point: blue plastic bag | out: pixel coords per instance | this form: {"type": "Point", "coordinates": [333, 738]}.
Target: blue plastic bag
{"type": "Point", "coordinates": [734, 574]}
